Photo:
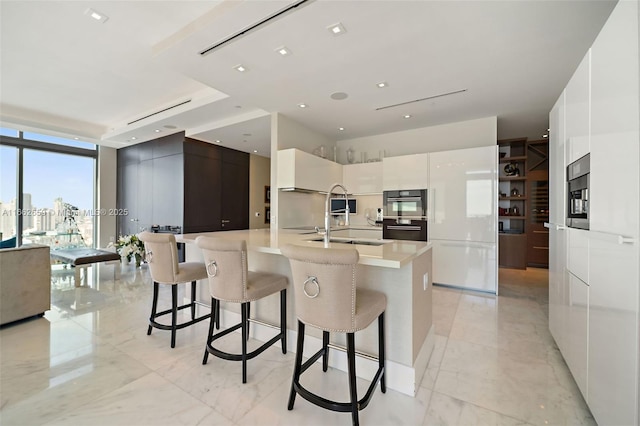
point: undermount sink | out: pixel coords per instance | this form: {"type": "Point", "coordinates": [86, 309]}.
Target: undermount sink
{"type": "Point", "coordinates": [351, 241]}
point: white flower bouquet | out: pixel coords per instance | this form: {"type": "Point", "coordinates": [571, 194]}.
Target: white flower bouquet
{"type": "Point", "coordinates": [129, 246]}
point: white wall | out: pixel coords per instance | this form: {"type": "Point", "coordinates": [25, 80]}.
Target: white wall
{"type": "Point", "coordinates": [259, 177]}
{"type": "Point", "coordinates": [287, 133]}
{"type": "Point", "coordinates": [464, 134]}
{"type": "Point", "coordinates": [107, 178]}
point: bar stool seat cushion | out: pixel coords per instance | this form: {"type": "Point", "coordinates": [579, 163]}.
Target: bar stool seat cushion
{"type": "Point", "coordinates": [369, 305]}
{"type": "Point", "coordinates": [262, 284]}
{"type": "Point", "coordinates": [190, 271]}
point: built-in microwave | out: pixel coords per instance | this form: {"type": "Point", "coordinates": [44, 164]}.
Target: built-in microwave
{"type": "Point", "coordinates": [578, 193]}
{"type": "Point", "coordinates": [405, 204]}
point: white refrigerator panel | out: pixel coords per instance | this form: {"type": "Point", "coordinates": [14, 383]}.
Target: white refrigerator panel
{"type": "Point", "coordinates": [470, 265]}
{"type": "Point", "coordinates": [462, 194]}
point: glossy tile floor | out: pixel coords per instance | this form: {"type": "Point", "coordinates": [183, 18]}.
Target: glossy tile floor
{"type": "Point", "coordinates": [89, 361]}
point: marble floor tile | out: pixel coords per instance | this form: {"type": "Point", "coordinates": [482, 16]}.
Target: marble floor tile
{"type": "Point", "coordinates": [445, 306]}
{"type": "Point", "coordinates": [90, 361]}
{"type": "Point", "coordinates": [41, 389]}
{"type": "Point", "coordinates": [447, 411]}
{"type": "Point", "coordinates": [219, 382]}
{"type": "Point", "coordinates": [150, 400]}
{"type": "Point", "coordinates": [390, 408]}
{"type": "Point", "coordinates": [531, 389]}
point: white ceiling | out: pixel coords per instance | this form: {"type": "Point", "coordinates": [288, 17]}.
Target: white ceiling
{"type": "Point", "coordinates": [65, 73]}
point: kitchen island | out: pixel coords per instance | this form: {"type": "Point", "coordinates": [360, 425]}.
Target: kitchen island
{"type": "Point", "coordinates": [399, 269]}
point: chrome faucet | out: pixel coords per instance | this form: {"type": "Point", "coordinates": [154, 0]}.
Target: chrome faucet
{"type": "Point", "coordinates": [327, 212]}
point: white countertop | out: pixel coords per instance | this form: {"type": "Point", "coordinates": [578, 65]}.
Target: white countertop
{"type": "Point", "coordinates": [391, 254]}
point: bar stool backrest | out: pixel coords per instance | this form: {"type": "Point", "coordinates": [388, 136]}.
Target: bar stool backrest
{"type": "Point", "coordinates": [226, 262]}
{"type": "Point", "coordinates": [324, 282]}
{"type": "Point", "coordinates": [161, 253]}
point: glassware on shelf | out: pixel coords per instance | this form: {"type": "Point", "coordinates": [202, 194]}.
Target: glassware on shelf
{"type": "Point", "coordinates": [351, 156]}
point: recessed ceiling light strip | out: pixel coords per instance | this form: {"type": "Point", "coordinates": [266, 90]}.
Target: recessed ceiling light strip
{"type": "Point", "coordinates": [422, 99]}
{"type": "Point", "coordinates": [158, 112]}
{"type": "Point", "coordinates": [253, 26]}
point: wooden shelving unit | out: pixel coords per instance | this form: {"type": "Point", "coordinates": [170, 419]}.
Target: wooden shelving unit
{"type": "Point", "coordinates": [523, 203]}
{"type": "Point", "coordinates": [512, 203]}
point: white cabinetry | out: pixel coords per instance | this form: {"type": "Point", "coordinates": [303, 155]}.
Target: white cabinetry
{"type": "Point", "coordinates": [363, 178]}
{"type": "Point", "coordinates": [603, 118]}
{"type": "Point", "coordinates": [301, 170]}
{"type": "Point", "coordinates": [577, 111]}
{"type": "Point", "coordinates": [578, 256]}
{"type": "Point", "coordinates": [463, 217]}
{"type": "Point", "coordinates": [576, 340]}
{"type": "Point", "coordinates": [558, 286]}
{"type": "Point", "coordinates": [614, 219]}
{"type": "Point", "coordinates": [405, 172]}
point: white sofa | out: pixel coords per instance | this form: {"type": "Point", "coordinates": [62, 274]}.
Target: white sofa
{"type": "Point", "coordinates": [25, 282]}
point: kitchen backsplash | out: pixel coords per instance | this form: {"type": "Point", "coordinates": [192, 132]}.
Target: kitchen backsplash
{"type": "Point", "coordinates": [304, 209]}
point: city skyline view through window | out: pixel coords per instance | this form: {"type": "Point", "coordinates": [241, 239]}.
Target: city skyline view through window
{"type": "Point", "coordinates": [58, 195]}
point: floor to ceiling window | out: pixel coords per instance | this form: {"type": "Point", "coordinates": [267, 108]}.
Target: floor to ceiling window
{"type": "Point", "coordinates": [8, 194]}
{"type": "Point", "coordinates": [48, 190]}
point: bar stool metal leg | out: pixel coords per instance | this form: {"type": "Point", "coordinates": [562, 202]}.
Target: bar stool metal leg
{"type": "Point", "coordinates": [283, 320]}
{"type": "Point", "coordinates": [245, 337]}
{"type": "Point", "coordinates": [174, 314]}
{"type": "Point", "coordinates": [351, 367]}
{"type": "Point", "coordinates": [154, 307]}
{"type": "Point", "coordinates": [297, 366]}
{"type": "Point", "coordinates": [381, 353]}
{"type": "Point", "coordinates": [193, 300]}
{"type": "Point", "coordinates": [214, 315]}
{"type": "Point", "coordinates": [325, 348]}
{"type": "Point", "coordinates": [248, 316]}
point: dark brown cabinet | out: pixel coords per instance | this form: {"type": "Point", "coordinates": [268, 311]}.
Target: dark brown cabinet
{"type": "Point", "coordinates": [178, 181]}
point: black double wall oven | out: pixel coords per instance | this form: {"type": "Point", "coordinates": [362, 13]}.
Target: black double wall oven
{"type": "Point", "coordinates": [405, 215]}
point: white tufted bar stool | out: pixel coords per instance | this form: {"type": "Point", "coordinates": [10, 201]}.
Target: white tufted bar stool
{"type": "Point", "coordinates": [326, 297]}
{"type": "Point", "coordinates": [231, 281]}
{"type": "Point", "coordinates": [162, 256]}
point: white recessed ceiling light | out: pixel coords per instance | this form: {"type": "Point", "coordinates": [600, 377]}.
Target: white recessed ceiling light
{"type": "Point", "coordinates": [100, 17]}
{"type": "Point", "coordinates": [218, 141]}
{"type": "Point", "coordinates": [157, 130]}
{"type": "Point", "coordinates": [303, 105]}
{"type": "Point", "coordinates": [283, 51]}
{"type": "Point", "coordinates": [255, 150]}
{"type": "Point", "coordinates": [240, 68]}
{"type": "Point", "coordinates": [341, 128]}
{"type": "Point", "coordinates": [337, 29]}
{"type": "Point", "coordinates": [76, 139]}
{"type": "Point", "coordinates": [133, 138]}
{"type": "Point", "coordinates": [382, 84]}
{"type": "Point", "coordinates": [545, 136]}
{"type": "Point", "coordinates": [406, 116]}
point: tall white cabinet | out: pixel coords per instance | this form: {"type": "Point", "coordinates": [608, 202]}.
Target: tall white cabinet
{"type": "Point", "coordinates": [594, 307]}
{"type": "Point", "coordinates": [463, 217]}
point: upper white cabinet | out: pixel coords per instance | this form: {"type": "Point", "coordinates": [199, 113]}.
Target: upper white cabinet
{"type": "Point", "coordinates": [365, 178]}
{"type": "Point", "coordinates": [301, 170]}
{"type": "Point", "coordinates": [462, 194]}
{"type": "Point", "coordinates": [405, 172]}
{"type": "Point", "coordinates": [615, 144]}
{"type": "Point", "coordinates": [577, 115]}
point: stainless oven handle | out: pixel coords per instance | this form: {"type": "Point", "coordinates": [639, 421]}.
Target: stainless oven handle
{"type": "Point", "coordinates": [406, 217]}
{"type": "Point", "coordinates": [404, 198]}
{"type": "Point", "coordinates": [403, 228]}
